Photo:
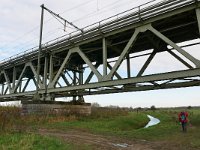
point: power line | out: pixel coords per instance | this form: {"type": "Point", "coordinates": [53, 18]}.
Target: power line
{"type": "Point", "coordinates": [20, 37]}
{"type": "Point", "coordinates": [77, 6]}
{"type": "Point", "coordinates": [114, 6]}
{"type": "Point", "coordinates": [36, 27]}
{"type": "Point", "coordinates": [57, 16]}
{"type": "Point", "coordinates": [32, 42]}
{"type": "Point", "coordinates": [99, 11]}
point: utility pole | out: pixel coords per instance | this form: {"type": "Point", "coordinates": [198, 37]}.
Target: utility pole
{"type": "Point", "coordinates": [39, 52]}
{"type": "Point", "coordinates": [37, 96]}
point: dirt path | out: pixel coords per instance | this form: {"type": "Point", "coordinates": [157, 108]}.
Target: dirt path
{"type": "Point", "coordinates": [98, 142]}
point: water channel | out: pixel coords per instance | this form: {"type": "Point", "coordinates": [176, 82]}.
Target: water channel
{"type": "Point", "coordinates": [153, 121]}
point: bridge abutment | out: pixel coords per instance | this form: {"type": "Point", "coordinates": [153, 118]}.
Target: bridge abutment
{"type": "Point", "coordinates": [55, 107]}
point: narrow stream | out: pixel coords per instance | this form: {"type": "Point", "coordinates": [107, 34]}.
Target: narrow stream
{"type": "Point", "coordinates": [153, 121]}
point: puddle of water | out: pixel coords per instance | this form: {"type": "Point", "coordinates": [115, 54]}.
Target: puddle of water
{"type": "Point", "coordinates": [124, 145]}
{"type": "Point", "coordinates": [153, 121]}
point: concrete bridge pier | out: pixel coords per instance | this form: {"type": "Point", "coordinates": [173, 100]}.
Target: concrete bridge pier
{"type": "Point", "coordinates": [55, 107]}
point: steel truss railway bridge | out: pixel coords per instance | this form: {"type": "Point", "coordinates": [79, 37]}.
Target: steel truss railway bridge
{"type": "Point", "coordinates": [87, 62]}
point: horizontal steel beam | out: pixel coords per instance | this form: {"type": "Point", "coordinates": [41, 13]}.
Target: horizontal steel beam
{"type": "Point", "coordinates": [148, 78]}
{"type": "Point", "coordinates": [144, 88]}
{"type": "Point", "coordinates": [29, 95]}
{"type": "Point", "coordinates": [134, 80]}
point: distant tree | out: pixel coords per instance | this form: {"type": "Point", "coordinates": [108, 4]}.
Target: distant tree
{"type": "Point", "coordinates": [95, 104]}
{"type": "Point", "coordinates": [131, 109]}
{"type": "Point", "coordinates": [138, 109]}
{"type": "Point", "coordinates": [153, 108]}
{"type": "Point", "coordinates": [189, 107]}
{"type": "Point", "coordinates": [113, 106]}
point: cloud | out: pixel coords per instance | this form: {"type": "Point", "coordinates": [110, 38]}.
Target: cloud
{"type": "Point", "coordinates": [19, 28]}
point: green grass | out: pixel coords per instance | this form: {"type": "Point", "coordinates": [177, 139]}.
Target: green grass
{"type": "Point", "coordinates": [27, 141]}
{"type": "Point", "coordinates": [165, 128]}
{"type": "Point", "coordinates": [169, 129]}
{"type": "Point", "coordinates": [113, 126]}
{"type": "Point", "coordinates": [112, 122]}
{"type": "Point", "coordinates": [130, 126]}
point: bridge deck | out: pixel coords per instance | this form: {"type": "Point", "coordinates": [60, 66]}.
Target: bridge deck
{"type": "Point", "coordinates": [171, 16]}
{"type": "Point", "coordinates": [175, 19]}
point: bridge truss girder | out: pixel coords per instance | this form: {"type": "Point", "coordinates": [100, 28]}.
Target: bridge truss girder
{"type": "Point", "coordinates": [66, 76]}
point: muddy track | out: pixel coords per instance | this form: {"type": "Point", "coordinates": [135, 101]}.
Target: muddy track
{"type": "Point", "coordinates": [98, 142]}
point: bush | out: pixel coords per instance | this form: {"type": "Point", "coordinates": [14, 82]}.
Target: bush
{"type": "Point", "coordinates": [104, 112]}
{"type": "Point", "coordinates": [95, 105]}
{"type": "Point", "coordinates": [153, 108]}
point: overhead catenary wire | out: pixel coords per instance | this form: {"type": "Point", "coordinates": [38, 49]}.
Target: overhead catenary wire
{"type": "Point", "coordinates": [80, 5]}
{"type": "Point", "coordinates": [57, 16]}
{"type": "Point", "coordinates": [35, 28]}
{"type": "Point", "coordinates": [9, 46]}
{"type": "Point", "coordinates": [31, 43]}
{"type": "Point", "coordinates": [46, 21]}
{"type": "Point", "coordinates": [102, 10]}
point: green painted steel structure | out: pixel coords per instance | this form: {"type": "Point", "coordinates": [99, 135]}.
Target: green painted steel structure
{"type": "Point", "coordinates": [101, 48]}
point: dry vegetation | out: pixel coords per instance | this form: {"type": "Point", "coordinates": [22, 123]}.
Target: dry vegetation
{"type": "Point", "coordinates": [103, 123]}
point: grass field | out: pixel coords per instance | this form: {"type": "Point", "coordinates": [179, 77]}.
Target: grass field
{"type": "Point", "coordinates": [27, 141]}
{"type": "Point", "coordinates": [21, 132]}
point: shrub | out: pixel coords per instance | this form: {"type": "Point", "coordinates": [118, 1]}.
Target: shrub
{"type": "Point", "coordinates": [153, 108]}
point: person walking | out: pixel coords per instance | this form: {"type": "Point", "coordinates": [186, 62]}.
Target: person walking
{"type": "Point", "coordinates": [183, 119]}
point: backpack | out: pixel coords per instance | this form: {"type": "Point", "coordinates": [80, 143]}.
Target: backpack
{"type": "Point", "coordinates": [183, 117]}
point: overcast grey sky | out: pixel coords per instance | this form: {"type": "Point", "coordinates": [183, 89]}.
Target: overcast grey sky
{"type": "Point", "coordinates": [19, 31]}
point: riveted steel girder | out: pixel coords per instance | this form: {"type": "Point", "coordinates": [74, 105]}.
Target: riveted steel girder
{"type": "Point", "coordinates": [99, 59]}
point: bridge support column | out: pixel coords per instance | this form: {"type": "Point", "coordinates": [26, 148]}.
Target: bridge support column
{"type": "Point", "coordinates": [51, 68]}
{"type": "Point", "coordinates": [13, 79]}
{"type": "Point", "coordinates": [128, 66]}
{"type": "Point", "coordinates": [20, 87]}
{"type": "Point", "coordinates": [46, 64]}
{"type": "Point", "coordinates": [80, 68]}
{"type": "Point", "coordinates": [198, 18]}
{"type": "Point", "coordinates": [2, 89]}
{"type": "Point", "coordinates": [104, 57]}
{"type": "Point", "coordinates": [74, 83]}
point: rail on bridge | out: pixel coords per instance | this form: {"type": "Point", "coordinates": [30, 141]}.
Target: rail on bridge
{"type": "Point", "coordinates": [89, 62]}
